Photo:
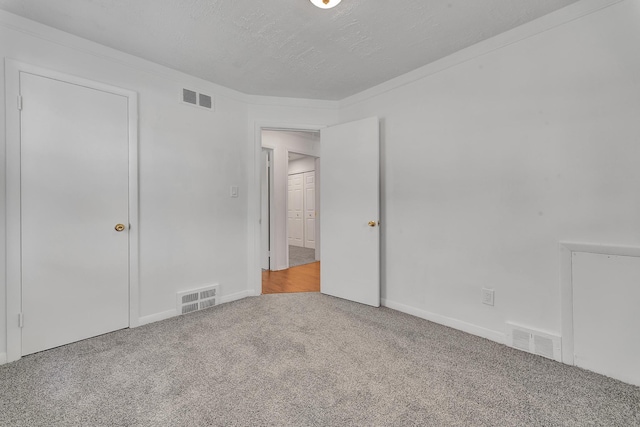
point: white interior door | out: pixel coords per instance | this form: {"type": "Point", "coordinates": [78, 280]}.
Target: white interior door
{"type": "Point", "coordinates": [74, 187]}
{"type": "Point", "coordinates": [350, 200]}
{"type": "Point", "coordinates": [309, 179]}
{"type": "Point", "coordinates": [295, 210]}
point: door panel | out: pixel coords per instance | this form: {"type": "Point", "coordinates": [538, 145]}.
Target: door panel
{"type": "Point", "coordinates": [74, 178]}
{"type": "Point", "coordinates": [350, 183]}
{"type": "Point", "coordinates": [606, 297]}
{"type": "Point", "coordinates": [295, 211]}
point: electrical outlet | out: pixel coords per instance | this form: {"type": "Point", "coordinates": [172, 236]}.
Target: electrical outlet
{"type": "Point", "coordinates": [487, 296]}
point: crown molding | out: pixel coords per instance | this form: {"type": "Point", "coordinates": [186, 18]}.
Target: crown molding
{"type": "Point", "coordinates": [545, 23]}
{"type": "Point", "coordinates": [79, 44]}
{"type": "Point", "coordinates": [293, 102]}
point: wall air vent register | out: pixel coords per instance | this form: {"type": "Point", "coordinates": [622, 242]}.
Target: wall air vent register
{"type": "Point", "coordinates": [196, 299]}
{"type": "Point", "coordinates": [196, 99]}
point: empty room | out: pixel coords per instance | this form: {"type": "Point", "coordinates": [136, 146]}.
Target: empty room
{"type": "Point", "coordinates": [473, 216]}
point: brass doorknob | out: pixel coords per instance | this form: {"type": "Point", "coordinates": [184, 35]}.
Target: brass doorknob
{"type": "Point", "coordinates": [372, 223]}
{"type": "Point", "coordinates": [119, 227]}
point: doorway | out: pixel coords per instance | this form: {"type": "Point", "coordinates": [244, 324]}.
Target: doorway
{"type": "Point", "coordinates": [350, 235]}
{"type": "Point", "coordinates": [290, 211]}
{"type": "Point", "coordinates": [301, 209]}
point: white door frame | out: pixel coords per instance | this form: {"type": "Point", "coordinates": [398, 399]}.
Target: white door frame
{"type": "Point", "coordinates": [13, 215]}
{"type": "Point", "coordinates": [255, 271]}
{"type": "Point", "coordinates": [270, 225]}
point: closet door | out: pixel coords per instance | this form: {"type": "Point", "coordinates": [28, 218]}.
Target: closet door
{"type": "Point", "coordinates": [295, 210]}
{"type": "Point", "coordinates": [310, 210]}
{"type": "Point", "coordinates": [74, 212]}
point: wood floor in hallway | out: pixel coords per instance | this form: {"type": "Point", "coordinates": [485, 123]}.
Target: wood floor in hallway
{"type": "Point", "coordinates": [303, 278]}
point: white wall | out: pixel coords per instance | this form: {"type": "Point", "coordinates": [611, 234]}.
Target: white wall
{"type": "Point", "coordinates": [191, 232]}
{"type": "Point", "coordinates": [283, 142]}
{"type": "Point", "coordinates": [499, 153]}
{"type": "Point", "coordinates": [304, 164]}
{"type": "Point", "coordinates": [489, 158]}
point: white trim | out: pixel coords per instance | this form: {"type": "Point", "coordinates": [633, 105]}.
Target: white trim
{"type": "Point", "coordinates": [134, 213]}
{"type": "Point", "coordinates": [152, 318]}
{"type": "Point", "coordinates": [292, 102]}
{"type": "Point", "coordinates": [545, 23]}
{"type": "Point", "coordinates": [272, 209]}
{"type": "Point", "coordinates": [164, 315]}
{"type": "Point", "coordinates": [566, 285]}
{"type": "Point", "coordinates": [562, 16]}
{"type": "Point", "coordinates": [469, 328]}
{"type": "Point", "coordinates": [235, 297]}
{"type": "Point", "coordinates": [254, 207]}
{"type": "Point", "coordinates": [3, 358]}
{"type": "Point", "coordinates": [52, 35]}
{"type": "Point", "coordinates": [14, 298]}
{"type": "Point", "coordinates": [79, 44]}
{"type": "Point", "coordinates": [602, 249]}
{"type": "Point", "coordinates": [12, 171]}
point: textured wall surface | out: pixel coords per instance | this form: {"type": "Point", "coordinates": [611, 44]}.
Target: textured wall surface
{"type": "Point", "coordinates": [287, 48]}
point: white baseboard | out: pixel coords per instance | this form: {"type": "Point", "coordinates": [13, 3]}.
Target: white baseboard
{"type": "Point", "coordinates": [3, 358]}
{"type": "Point", "coordinates": [145, 320]}
{"type": "Point", "coordinates": [236, 296]}
{"type": "Point", "coordinates": [469, 328]}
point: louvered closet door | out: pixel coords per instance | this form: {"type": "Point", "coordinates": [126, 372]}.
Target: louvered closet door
{"type": "Point", "coordinates": [74, 178]}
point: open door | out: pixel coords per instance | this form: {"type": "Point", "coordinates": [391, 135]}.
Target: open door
{"type": "Point", "coordinates": [350, 200]}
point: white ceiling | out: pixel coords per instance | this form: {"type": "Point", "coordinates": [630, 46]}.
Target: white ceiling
{"type": "Point", "coordinates": [287, 47]}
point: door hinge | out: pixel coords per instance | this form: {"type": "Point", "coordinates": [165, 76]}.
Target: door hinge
{"type": "Point", "coordinates": [19, 102]}
{"type": "Point", "coordinates": [20, 320]}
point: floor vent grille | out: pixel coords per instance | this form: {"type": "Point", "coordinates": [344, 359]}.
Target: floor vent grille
{"type": "Point", "coordinates": [197, 299]}
{"type": "Point", "coordinates": [533, 341]}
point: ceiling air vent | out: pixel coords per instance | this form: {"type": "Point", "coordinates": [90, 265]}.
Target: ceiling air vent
{"type": "Point", "coordinates": [195, 99]}
{"type": "Point", "coordinates": [197, 299]}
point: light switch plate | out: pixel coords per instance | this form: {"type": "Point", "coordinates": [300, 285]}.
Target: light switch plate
{"type": "Point", "coordinates": [234, 191]}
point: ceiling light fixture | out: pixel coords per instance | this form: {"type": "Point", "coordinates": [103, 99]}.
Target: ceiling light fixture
{"type": "Point", "coordinates": [326, 4]}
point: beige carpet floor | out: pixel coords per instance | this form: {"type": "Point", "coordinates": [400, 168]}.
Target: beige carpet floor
{"type": "Point", "coordinates": [303, 360]}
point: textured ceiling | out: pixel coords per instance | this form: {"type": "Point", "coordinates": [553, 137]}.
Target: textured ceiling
{"type": "Point", "coordinates": [287, 47]}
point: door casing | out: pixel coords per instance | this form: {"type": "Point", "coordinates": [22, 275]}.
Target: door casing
{"type": "Point", "coordinates": [254, 227]}
{"type": "Point", "coordinates": [13, 215]}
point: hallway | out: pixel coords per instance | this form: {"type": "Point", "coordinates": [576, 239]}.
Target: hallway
{"type": "Point", "coordinates": [304, 278]}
